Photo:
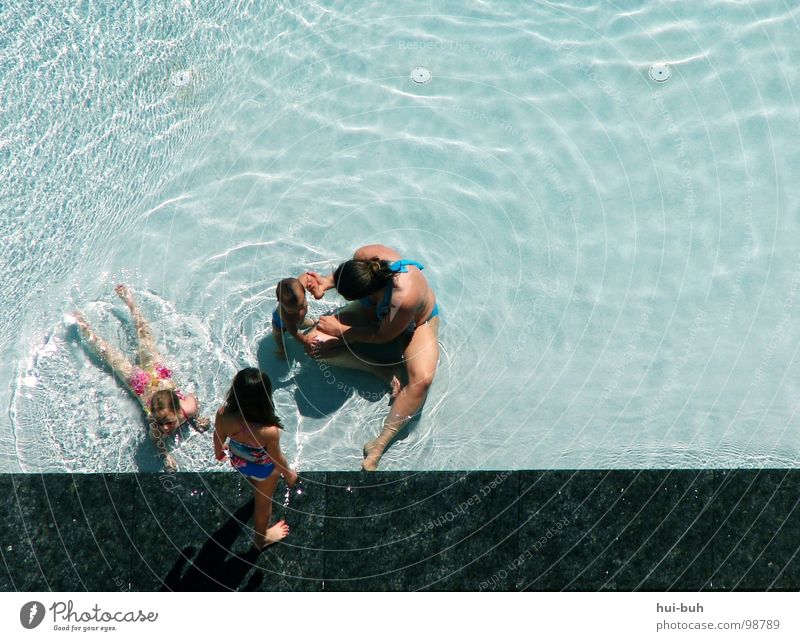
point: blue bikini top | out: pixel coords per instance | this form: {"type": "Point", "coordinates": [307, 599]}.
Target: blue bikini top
{"type": "Point", "coordinates": [398, 267]}
{"type": "Point", "coordinates": [401, 266]}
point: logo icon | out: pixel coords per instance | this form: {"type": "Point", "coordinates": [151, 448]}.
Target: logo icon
{"type": "Point", "coordinates": [31, 614]}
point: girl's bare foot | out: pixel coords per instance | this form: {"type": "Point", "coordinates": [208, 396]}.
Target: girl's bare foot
{"type": "Point", "coordinates": [274, 534]}
{"type": "Point", "coordinates": [124, 293]}
{"type": "Point", "coordinates": [81, 322]}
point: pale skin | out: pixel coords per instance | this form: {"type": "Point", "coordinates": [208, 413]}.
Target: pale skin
{"type": "Point", "coordinates": [227, 424]}
{"type": "Point", "coordinates": [412, 299]}
{"type": "Point", "coordinates": [163, 422]}
{"type": "Point", "coordinates": [293, 318]}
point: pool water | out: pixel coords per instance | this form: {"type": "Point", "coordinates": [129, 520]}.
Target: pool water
{"type": "Point", "coordinates": [615, 258]}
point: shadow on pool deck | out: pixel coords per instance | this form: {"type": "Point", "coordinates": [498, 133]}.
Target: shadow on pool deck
{"type": "Point", "coordinates": [215, 567]}
{"type": "Point", "coordinates": [621, 530]}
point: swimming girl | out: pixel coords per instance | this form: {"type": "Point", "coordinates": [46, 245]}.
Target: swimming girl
{"type": "Point", "coordinates": [248, 423]}
{"type": "Point", "coordinates": [395, 302]}
{"type": "Point", "coordinates": [164, 405]}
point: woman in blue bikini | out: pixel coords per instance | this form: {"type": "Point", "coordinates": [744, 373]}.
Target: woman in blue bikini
{"type": "Point", "coordinates": [394, 301]}
{"type": "Point", "coordinates": [248, 423]}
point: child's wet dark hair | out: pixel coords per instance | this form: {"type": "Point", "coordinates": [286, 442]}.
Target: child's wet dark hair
{"type": "Point", "coordinates": [289, 291]}
{"type": "Point", "coordinates": [165, 399]}
{"type": "Point", "coordinates": [251, 396]}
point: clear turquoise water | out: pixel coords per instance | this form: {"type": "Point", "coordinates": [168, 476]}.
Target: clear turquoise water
{"type": "Point", "coordinates": [616, 259]}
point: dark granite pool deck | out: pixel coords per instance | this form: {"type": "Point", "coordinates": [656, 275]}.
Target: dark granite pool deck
{"type": "Point", "coordinates": [649, 530]}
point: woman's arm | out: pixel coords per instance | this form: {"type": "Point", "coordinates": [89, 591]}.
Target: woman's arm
{"type": "Point", "coordinates": [316, 283]}
{"type": "Point", "coordinates": [273, 447]}
{"type": "Point", "coordinates": [392, 325]}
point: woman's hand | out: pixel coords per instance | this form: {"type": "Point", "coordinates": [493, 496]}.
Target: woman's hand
{"type": "Point", "coordinates": [318, 285]}
{"type": "Point", "coordinates": [220, 455]}
{"type": "Point", "coordinates": [331, 326]}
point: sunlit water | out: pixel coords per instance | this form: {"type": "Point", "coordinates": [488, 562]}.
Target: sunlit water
{"type": "Point", "coordinates": [616, 259]}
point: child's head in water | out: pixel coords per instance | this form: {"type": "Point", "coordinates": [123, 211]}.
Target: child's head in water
{"type": "Point", "coordinates": [165, 406]}
{"type": "Point", "coordinates": [291, 295]}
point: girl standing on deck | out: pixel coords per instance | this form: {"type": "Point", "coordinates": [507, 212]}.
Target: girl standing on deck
{"type": "Point", "coordinates": [248, 424]}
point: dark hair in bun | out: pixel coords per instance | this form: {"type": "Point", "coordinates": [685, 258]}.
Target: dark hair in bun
{"type": "Point", "coordinates": [356, 279]}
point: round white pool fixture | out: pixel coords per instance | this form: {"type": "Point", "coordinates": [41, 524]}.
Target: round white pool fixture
{"type": "Point", "coordinates": [421, 75]}
{"type": "Point", "coordinates": [182, 78]}
{"type": "Point", "coordinates": [660, 72]}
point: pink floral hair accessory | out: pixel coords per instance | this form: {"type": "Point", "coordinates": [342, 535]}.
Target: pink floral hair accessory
{"type": "Point", "coordinates": [163, 372]}
{"type": "Point", "coordinates": [139, 382]}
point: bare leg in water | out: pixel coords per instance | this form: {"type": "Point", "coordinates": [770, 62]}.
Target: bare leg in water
{"type": "Point", "coordinates": [116, 360]}
{"type": "Point", "coordinates": [344, 357]}
{"type": "Point", "coordinates": [421, 357]}
{"type": "Point", "coordinates": [148, 352]}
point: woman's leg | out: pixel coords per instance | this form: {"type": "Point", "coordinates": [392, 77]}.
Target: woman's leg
{"type": "Point", "coordinates": [345, 357]}
{"type": "Point", "coordinates": [148, 352]}
{"type": "Point", "coordinates": [117, 361]}
{"type": "Point", "coordinates": [262, 512]}
{"type": "Point", "coordinates": [421, 357]}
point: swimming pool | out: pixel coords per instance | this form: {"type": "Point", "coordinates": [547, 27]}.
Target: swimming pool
{"type": "Point", "coordinates": [615, 258]}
